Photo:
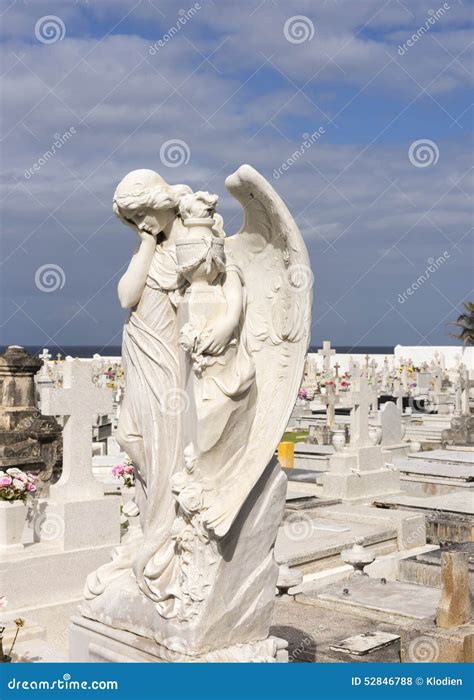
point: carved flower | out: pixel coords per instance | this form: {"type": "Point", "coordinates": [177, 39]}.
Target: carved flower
{"type": "Point", "coordinates": [178, 528]}
{"type": "Point", "coordinates": [190, 457]}
{"type": "Point", "coordinates": [178, 482]}
{"type": "Point", "coordinates": [190, 498]}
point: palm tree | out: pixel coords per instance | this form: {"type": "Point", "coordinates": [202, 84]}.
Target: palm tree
{"type": "Point", "coordinates": [466, 323]}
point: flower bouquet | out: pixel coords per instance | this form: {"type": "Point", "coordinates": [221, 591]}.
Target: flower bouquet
{"type": "Point", "coordinates": [125, 472]}
{"type": "Point", "coordinates": [16, 485]}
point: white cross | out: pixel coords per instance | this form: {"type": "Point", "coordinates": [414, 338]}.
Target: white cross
{"type": "Point", "coordinates": [43, 378]}
{"type": "Point", "coordinates": [79, 401]}
{"type": "Point", "coordinates": [326, 353]}
{"type": "Point", "coordinates": [330, 399]}
{"type": "Point", "coordinates": [45, 356]}
{"type": "Point", "coordinates": [362, 399]}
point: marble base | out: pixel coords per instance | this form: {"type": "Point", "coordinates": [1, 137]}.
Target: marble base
{"type": "Point", "coordinates": [358, 486]}
{"type": "Point", "coordinates": [94, 642]}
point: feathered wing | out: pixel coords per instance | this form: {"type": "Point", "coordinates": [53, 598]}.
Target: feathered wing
{"type": "Point", "coordinates": [272, 256]}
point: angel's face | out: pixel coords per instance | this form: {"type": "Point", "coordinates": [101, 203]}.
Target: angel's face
{"type": "Point", "coordinates": [152, 221]}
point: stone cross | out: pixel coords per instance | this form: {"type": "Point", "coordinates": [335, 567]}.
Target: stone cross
{"type": "Point", "coordinates": [362, 399]}
{"type": "Point", "coordinates": [79, 401]}
{"type": "Point", "coordinates": [437, 380]}
{"type": "Point", "coordinates": [330, 399]}
{"type": "Point", "coordinates": [465, 384]}
{"type": "Point", "coordinates": [367, 358]}
{"type": "Point", "coordinates": [43, 378]}
{"type": "Point", "coordinates": [337, 366]}
{"type": "Point", "coordinates": [373, 369]}
{"type": "Point", "coordinates": [398, 393]}
{"type": "Point", "coordinates": [326, 353]}
{"type": "Point", "coordinates": [45, 355]}
{"type": "Point", "coordinates": [404, 378]}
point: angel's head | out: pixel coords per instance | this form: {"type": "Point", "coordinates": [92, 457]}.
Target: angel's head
{"type": "Point", "coordinates": [145, 200]}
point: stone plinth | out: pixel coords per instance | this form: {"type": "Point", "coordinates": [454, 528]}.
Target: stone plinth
{"type": "Point", "coordinates": [28, 440]}
{"type": "Point", "coordinates": [359, 474]}
{"type": "Point", "coordinates": [92, 641]}
{"type": "Point", "coordinates": [454, 608]}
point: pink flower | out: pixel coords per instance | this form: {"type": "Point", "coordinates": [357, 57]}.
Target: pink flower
{"type": "Point", "coordinates": [129, 469]}
{"type": "Point", "coordinates": [30, 487]}
{"type": "Point", "coordinates": [118, 470]}
{"type": "Point", "coordinates": [5, 481]}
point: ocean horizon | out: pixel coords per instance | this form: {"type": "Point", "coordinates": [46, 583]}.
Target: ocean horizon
{"type": "Point", "coordinates": [116, 350]}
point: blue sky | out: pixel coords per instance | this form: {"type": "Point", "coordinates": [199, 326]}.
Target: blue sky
{"type": "Point", "coordinates": [240, 82]}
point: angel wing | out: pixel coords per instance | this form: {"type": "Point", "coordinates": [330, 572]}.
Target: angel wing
{"type": "Point", "coordinates": [272, 256]}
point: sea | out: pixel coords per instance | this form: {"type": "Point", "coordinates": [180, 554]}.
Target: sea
{"type": "Point", "coordinates": [116, 350]}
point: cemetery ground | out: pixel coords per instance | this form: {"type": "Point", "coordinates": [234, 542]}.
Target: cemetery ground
{"type": "Point", "coordinates": [376, 544]}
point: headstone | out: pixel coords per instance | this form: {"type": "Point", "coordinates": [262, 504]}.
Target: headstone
{"type": "Point", "coordinates": [385, 376]}
{"type": "Point", "coordinates": [423, 382]}
{"type": "Point", "coordinates": [362, 398]}
{"type": "Point", "coordinates": [454, 608]}
{"type": "Point", "coordinates": [391, 424]}
{"type": "Point", "coordinates": [79, 401]}
{"type": "Point", "coordinates": [326, 354]}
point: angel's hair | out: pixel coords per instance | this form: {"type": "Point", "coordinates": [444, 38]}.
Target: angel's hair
{"type": "Point", "coordinates": [198, 205]}
{"type": "Point", "coordinates": [146, 189]}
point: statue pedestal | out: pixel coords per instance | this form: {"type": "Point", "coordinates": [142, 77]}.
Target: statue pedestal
{"type": "Point", "coordinates": [94, 642]}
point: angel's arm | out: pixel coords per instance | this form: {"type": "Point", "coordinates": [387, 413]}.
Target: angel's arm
{"type": "Point", "coordinates": [132, 283]}
{"type": "Point", "coordinates": [219, 335]}
{"type": "Point", "coordinates": [234, 297]}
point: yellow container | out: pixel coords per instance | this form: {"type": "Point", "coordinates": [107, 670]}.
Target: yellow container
{"type": "Point", "coordinates": [286, 454]}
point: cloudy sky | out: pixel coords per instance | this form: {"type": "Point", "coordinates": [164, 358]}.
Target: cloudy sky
{"type": "Point", "coordinates": [93, 89]}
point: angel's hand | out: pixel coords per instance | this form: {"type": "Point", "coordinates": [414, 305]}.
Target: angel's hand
{"type": "Point", "coordinates": [216, 339]}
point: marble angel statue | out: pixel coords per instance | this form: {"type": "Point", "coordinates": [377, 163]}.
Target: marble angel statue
{"type": "Point", "coordinates": [213, 352]}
